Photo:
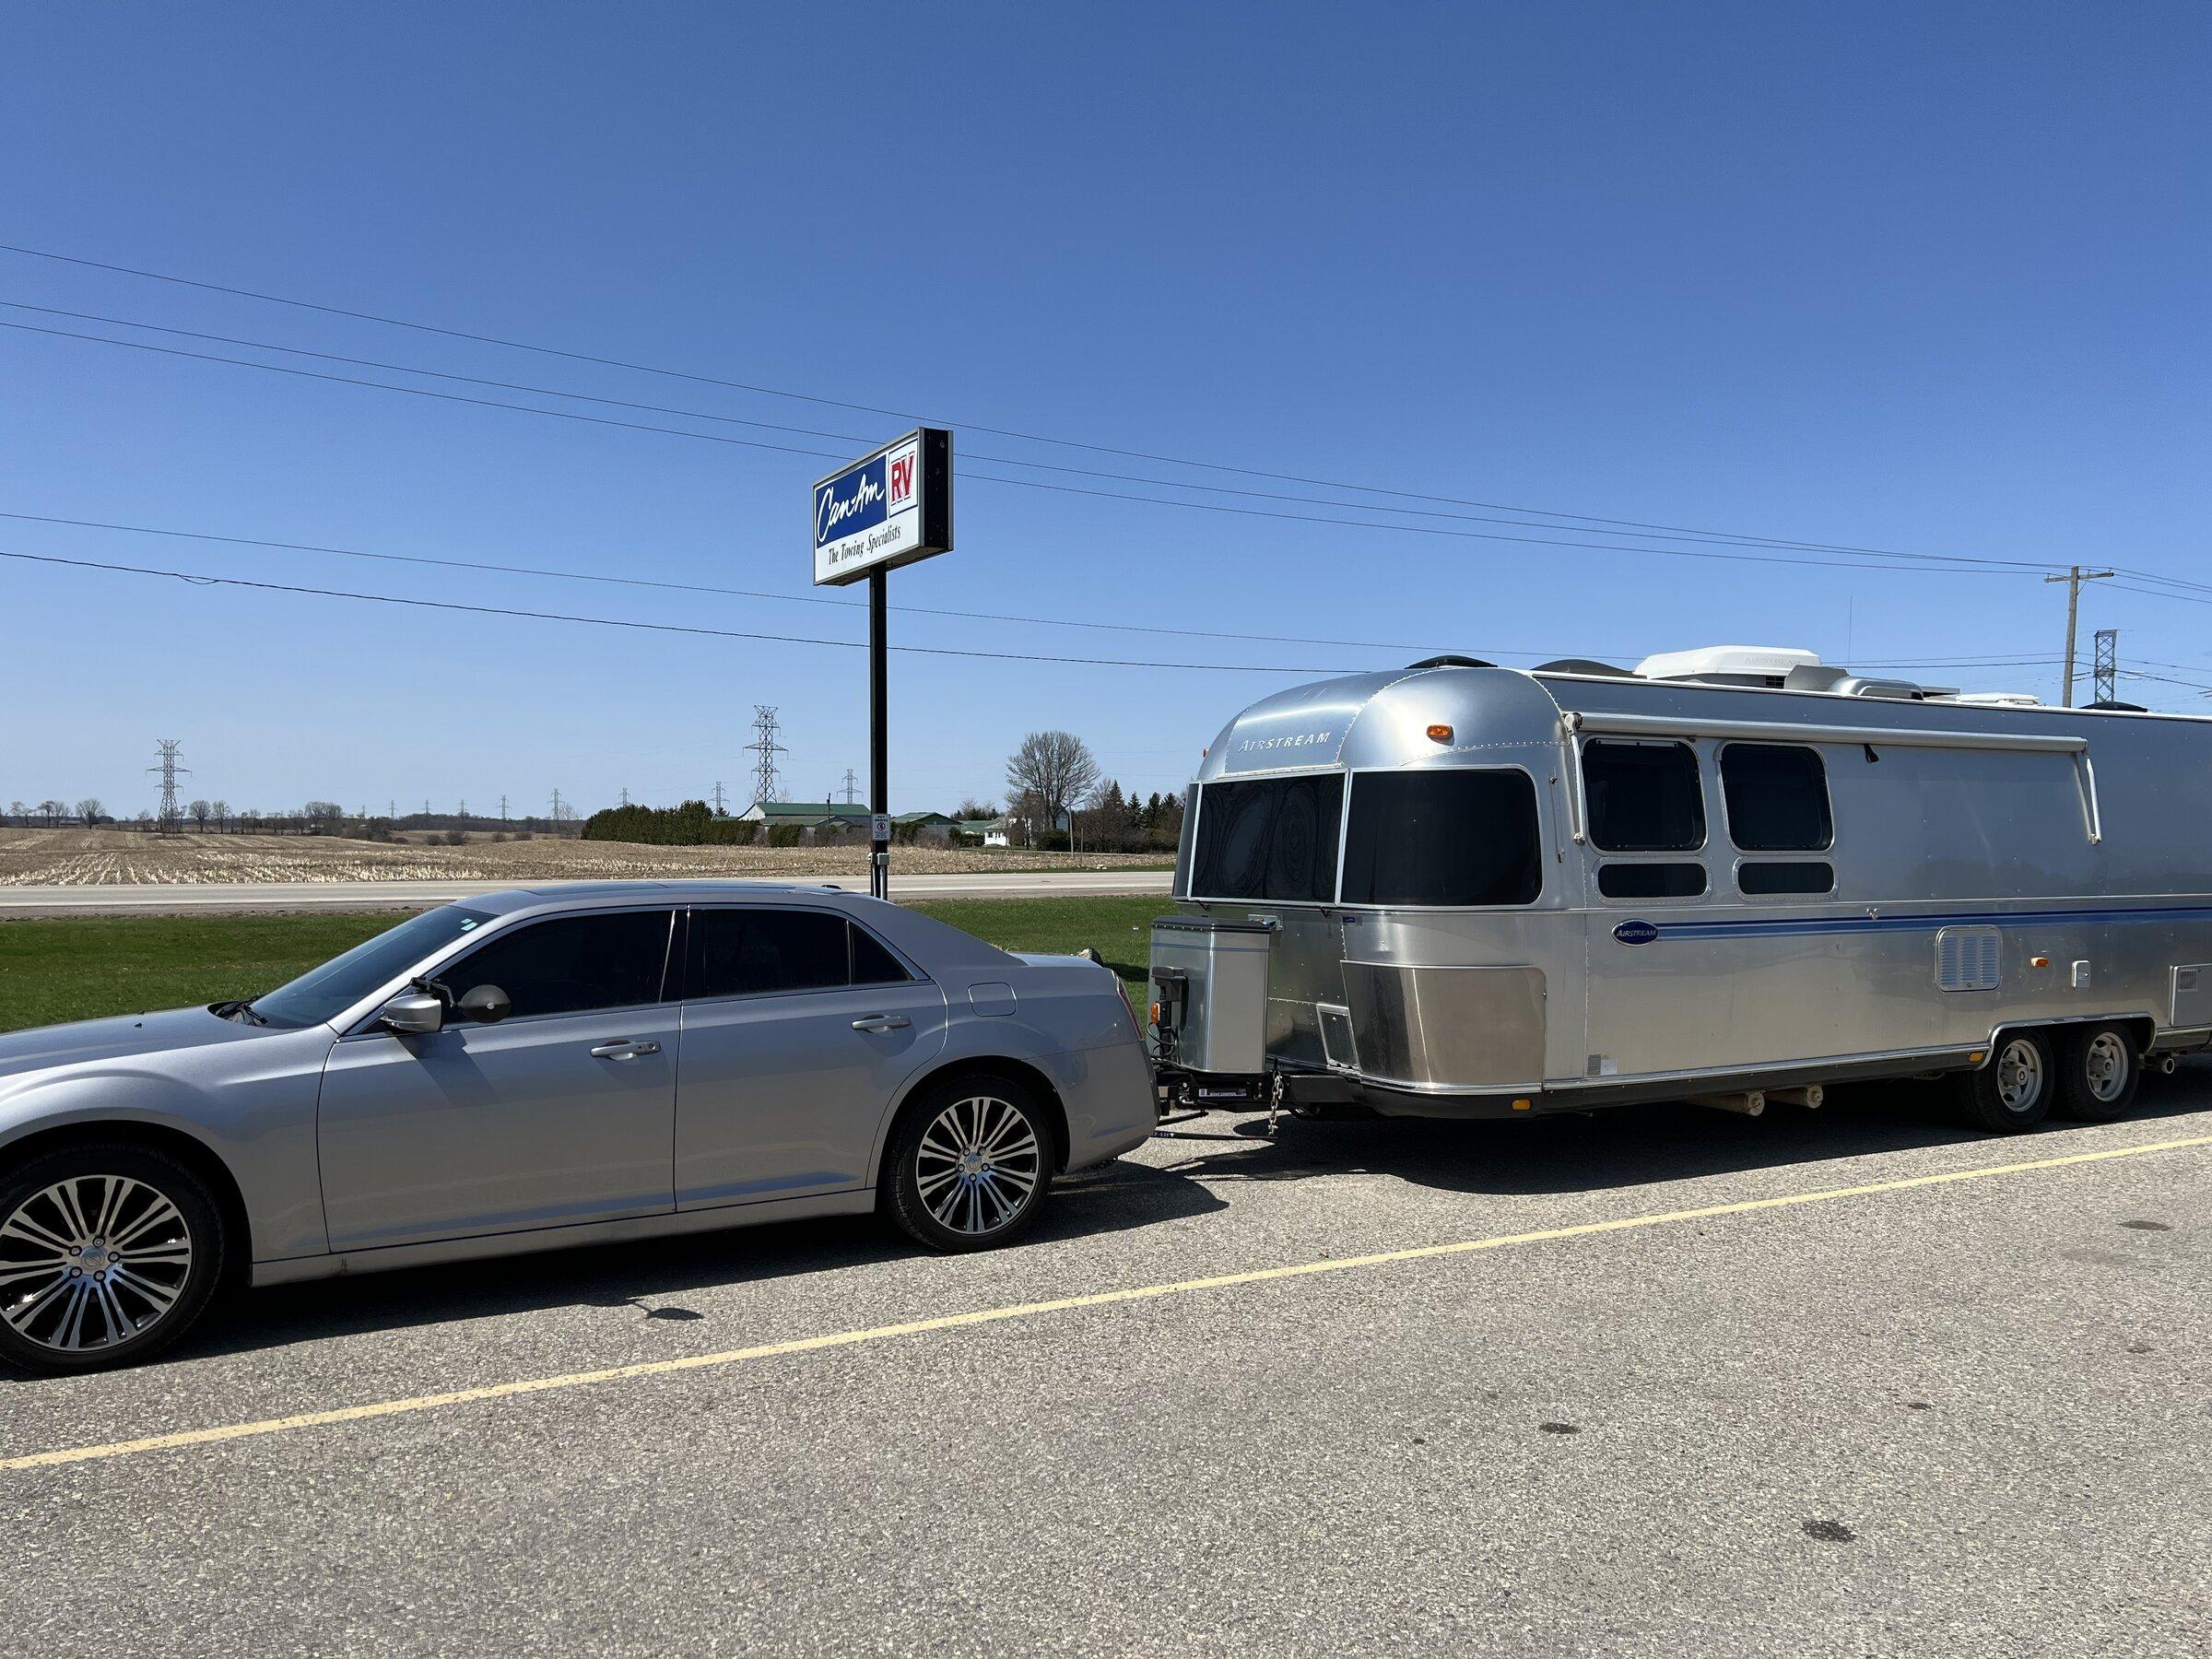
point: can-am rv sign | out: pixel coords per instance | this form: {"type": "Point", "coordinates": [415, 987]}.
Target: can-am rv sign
{"type": "Point", "coordinates": [885, 510]}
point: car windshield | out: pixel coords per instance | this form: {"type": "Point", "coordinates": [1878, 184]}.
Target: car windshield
{"type": "Point", "coordinates": [323, 994]}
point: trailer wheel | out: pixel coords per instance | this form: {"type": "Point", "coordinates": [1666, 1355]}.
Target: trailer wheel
{"type": "Point", "coordinates": [2099, 1073]}
{"type": "Point", "coordinates": [2014, 1091]}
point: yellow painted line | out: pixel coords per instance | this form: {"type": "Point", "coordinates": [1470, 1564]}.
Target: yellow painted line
{"type": "Point", "coordinates": [1101, 1299]}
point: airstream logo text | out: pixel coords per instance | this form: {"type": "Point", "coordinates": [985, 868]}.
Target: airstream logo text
{"type": "Point", "coordinates": [1635, 932]}
{"type": "Point", "coordinates": [1298, 740]}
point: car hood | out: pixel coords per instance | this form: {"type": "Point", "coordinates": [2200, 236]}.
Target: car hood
{"type": "Point", "coordinates": [127, 1034]}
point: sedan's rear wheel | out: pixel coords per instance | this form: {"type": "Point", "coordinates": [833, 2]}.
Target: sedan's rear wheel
{"type": "Point", "coordinates": [969, 1164]}
{"type": "Point", "coordinates": [107, 1253]}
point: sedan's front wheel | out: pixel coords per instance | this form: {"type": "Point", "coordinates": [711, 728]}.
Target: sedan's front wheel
{"type": "Point", "coordinates": [107, 1253]}
{"type": "Point", "coordinates": [969, 1164]}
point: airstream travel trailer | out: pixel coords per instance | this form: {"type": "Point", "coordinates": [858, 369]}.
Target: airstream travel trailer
{"type": "Point", "coordinates": [1730, 874]}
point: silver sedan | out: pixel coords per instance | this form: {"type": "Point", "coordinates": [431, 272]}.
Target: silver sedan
{"type": "Point", "coordinates": [536, 1069]}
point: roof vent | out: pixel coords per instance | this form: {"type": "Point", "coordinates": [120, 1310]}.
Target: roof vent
{"type": "Point", "coordinates": [1449, 660]}
{"type": "Point", "coordinates": [1582, 666]}
{"type": "Point", "coordinates": [1995, 699]}
{"type": "Point", "coordinates": [2113, 706]}
{"type": "Point", "coordinates": [1728, 665]}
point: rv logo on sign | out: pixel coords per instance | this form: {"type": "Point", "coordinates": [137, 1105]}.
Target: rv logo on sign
{"type": "Point", "coordinates": [887, 508]}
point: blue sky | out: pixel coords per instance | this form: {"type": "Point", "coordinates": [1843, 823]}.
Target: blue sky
{"type": "Point", "coordinates": [1926, 278]}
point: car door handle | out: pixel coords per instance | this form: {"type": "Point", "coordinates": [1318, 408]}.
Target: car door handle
{"type": "Point", "coordinates": [623, 1049]}
{"type": "Point", "coordinates": [882, 1022]}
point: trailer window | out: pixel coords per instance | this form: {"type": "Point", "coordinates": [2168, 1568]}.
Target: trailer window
{"type": "Point", "coordinates": [1651, 880]}
{"type": "Point", "coordinates": [1270, 839]}
{"type": "Point", "coordinates": [1777, 796]}
{"type": "Point", "coordinates": [1814, 875]}
{"type": "Point", "coordinates": [1183, 842]}
{"type": "Point", "coordinates": [1456, 837]}
{"type": "Point", "coordinates": [1643, 797]}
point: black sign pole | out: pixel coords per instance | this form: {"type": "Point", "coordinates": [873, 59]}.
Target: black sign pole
{"type": "Point", "coordinates": [880, 765]}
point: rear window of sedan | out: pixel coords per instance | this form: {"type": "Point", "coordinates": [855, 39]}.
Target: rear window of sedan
{"type": "Point", "coordinates": [752, 952]}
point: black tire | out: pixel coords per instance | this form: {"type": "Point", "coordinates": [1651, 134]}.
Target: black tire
{"type": "Point", "coordinates": [945, 1207]}
{"type": "Point", "coordinates": [172, 1257]}
{"type": "Point", "coordinates": [2098, 1072]}
{"type": "Point", "coordinates": [2014, 1091]}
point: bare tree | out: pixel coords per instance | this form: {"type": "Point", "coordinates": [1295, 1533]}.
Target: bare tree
{"type": "Point", "coordinates": [20, 813]}
{"type": "Point", "coordinates": [221, 809]}
{"type": "Point", "coordinates": [52, 811]}
{"type": "Point", "coordinates": [970, 809]}
{"type": "Point", "coordinates": [89, 811]}
{"type": "Point", "coordinates": [1055, 769]}
{"type": "Point", "coordinates": [198, 812]}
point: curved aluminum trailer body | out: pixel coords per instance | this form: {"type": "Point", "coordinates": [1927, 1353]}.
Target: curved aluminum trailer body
{"type": "Point", "coordinates": [1992, 867]}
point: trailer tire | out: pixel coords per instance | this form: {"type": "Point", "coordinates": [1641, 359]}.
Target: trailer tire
{"type": "Point", "coordinates": [2015, 1090]}
{"type": "Point", "coordinates": [2099, 1074]}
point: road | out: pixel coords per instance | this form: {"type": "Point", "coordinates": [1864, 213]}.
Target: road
{"type": "Point", "coordinates": [178, 898]}
{"type": "Point", "coordinates": [1653, 1381]}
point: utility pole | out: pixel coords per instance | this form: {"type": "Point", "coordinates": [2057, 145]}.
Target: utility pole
{"type": "Point", "coordinates": [170, 750]}
{"type": "Point", "coordinates": [2107, 661]}
{"type": "Point", "coordinates": [2073, 578]}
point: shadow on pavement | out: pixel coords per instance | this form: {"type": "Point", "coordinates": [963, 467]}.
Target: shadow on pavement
{"type": "Point", "coordinates": [1114, 1199]}
{"type": "Point", "coordinates": [1630, 1145]}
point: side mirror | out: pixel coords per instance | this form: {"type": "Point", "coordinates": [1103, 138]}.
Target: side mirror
{"type": "Point", "coordinates": [487, 1005]}
{"type": "Point", "coordinates": [413, 1014]}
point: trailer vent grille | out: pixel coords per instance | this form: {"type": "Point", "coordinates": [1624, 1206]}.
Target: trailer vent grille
{"type": "Point", "coordinates": [1967, 959]}
{"type": "Point", "coordinates": [1336, 1043]}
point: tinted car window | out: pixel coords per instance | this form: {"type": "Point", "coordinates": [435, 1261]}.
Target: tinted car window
{"type": "Point", "coordinates": [571, 965]}
{"type": "Point", "coordinates": [872, 964]}
{"type": "Point", "coordinates": [1777, 796]}
{"type": "Point", "coordinates": [747, 952]}
{"type": "Point", "coordinates": [1271, 839]}
{"type": "Point", "coordinates": [1442, 838]}
{"type": "Point", "coordinates": [1643, 797]}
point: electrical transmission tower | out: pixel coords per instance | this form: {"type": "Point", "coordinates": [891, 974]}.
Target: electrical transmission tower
{"type": "Point", "coordinates": [502, 809]}
{"type": "Point", "coordinates": [170, 751]}
{"type": "Point", "coordinates": [720, 810]}
{"type": "Point", "coordinates": [2107, 665]}
{"type": "Point", "coordinates": [852, 785]}
{"type": "Point", "coordinates": [765, 749]}
{"type": "Point", "coordinates": [625, 795]}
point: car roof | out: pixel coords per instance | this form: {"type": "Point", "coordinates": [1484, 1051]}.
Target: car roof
{"type": "Point", "coordinates": [575, 894]}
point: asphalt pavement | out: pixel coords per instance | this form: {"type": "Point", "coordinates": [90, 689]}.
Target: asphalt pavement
{"type": "Point", "coordinates": [224, 897]}
{"type": "Point", "coordinates": [1654, 1381]}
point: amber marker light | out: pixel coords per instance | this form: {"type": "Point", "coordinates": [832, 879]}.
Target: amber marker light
{"type": "Point", "coordinates": [1440, 734]}
{"type": "Point", "coordinates": [1518, 1105]}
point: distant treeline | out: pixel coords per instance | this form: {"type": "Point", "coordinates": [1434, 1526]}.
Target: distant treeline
{"type": "Point", "coordinates": [691, 825]}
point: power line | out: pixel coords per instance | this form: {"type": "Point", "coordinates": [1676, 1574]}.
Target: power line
{"type": "Point", "coordinates": [1925, 564]}
{"type": "Point", "coordinates": [695, 587]}
{"type": "Point", "coordinates": [767, 391]}
{"type": "Point", "coordinates": [665, 627]}
{"type": "Point", "coordinates": [1728, 537]}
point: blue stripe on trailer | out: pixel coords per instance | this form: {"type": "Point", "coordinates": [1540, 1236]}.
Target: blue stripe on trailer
{"type": "Point", "coordinates": [1851, 925]}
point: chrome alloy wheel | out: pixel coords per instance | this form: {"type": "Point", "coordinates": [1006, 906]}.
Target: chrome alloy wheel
{"type": "Point", "coordinates": [2105, 1064]}
{"type": "Point", "coordinates": [2020, 1075]}
{"type": "Point", "coordinates": [92, 1262]}
{"type": "Point", "coordinates": [977, 1164]}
